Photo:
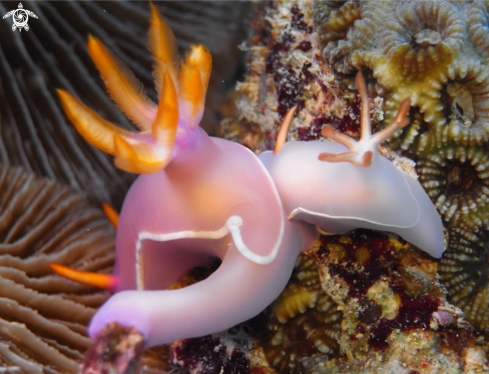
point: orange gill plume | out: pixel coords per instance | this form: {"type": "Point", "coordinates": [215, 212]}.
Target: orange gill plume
{"type": "Point", "coordinates": [151, 149]}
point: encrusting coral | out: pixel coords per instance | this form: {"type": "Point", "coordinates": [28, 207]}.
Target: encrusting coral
{"type": "Point", "coordinates": [304, 322]}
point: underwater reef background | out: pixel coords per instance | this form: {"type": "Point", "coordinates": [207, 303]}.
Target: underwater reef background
{"type": "Point", "coordinates": [362, 302]}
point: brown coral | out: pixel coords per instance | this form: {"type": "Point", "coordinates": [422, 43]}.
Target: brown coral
{"type": "Point", "coordinates": [304, 322]}
{"type": "Point", "coordinates": [457, 180]}
{"type": "Point", "coordinates": [464, 272]}
{"type": "Point", "coordinates": [332, 23]}
{"type": "Point", "coordinates": [43, 318]}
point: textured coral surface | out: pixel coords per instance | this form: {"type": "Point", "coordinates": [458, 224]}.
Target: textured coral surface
{"type": "Point", "coordinates": [395, 300]}
{"type": "Point", "coordinates": [43, 317]}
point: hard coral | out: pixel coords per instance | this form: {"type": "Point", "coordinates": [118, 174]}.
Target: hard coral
{"type": "Point", "coordinates": [456, 179]}
{"type": "Point", "coordinates": [43, 318]}
{"type": "Point", "coordinates": [304, 322]}
{"type": "Point", "coordinates": [464, 272]}
{"type": "Point", "coordinates": [424, 51]}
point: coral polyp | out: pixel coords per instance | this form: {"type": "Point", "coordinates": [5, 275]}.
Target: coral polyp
{"type": "Point", "coordinates": [334, 23]}
{"type": "Point", "coordinates": [304, 322]}
{"type": "Point", "coordinates": [464, 272]}
{"type": "Point", "coordinates": [457, 180]}
{"type": "Point", "coordinates": [423, 36]}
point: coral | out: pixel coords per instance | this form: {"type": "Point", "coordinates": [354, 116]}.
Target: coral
{"type": "Point", "coordinates": [424, 51]}
{"type": "Point", "coordinates": [477, 27]}
{"type": "Point", "coordinates": [457, 180]}
{"type": "Point", "coordinates": [34, 133]}
{"type": "Point", "coordinates": [388, 292]}
{"type": "Point", "coordinates": [464, 272]}
{"type": "Point", "coordinates": [304, 322]}
{"type": "Point", "coordinates": [209, 355]}
{"type": "Point", "coordinates": [332, 24]}
{"type": "Point", "coordinates": [43, 318]}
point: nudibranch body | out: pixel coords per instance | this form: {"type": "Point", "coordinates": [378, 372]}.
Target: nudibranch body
{"type": "Point", "coordinates": [199, 197]}
{"type": "Point", "coordinates": [343, 185]}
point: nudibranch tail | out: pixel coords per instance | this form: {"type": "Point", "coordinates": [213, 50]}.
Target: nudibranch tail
{"type": "Point", "coordinates": [122, 86]}
{"type": "Point", "coordinates": [361, 152]}
{"type": "Point", "coordinates": [106, 281]}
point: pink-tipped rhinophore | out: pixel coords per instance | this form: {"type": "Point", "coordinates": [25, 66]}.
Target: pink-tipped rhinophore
{"type": "Point", "coordinates": [346, 184]}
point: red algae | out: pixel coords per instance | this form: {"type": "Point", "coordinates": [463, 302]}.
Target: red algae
{"type": "Point", "coordinates": [414, 313]}
{"type": "Point", "coordinates": [349, 124]}
{"type": "Point", "coordinates": [379, 262]}
{"type": "Point", "coordinates": [304, 46]}
{"type": "Point", "coordinates": [207, 355]}
{"type": "Point", "coordinates": [297, 21]}
{"type": "Point", "coordinates": [289, 84]}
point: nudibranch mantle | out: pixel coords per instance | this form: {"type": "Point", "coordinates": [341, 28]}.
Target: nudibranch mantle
{"type": "Point", "coordinates": [343, 185]}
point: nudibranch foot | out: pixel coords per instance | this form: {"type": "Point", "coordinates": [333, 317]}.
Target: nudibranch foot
{"type": "Point", "coordinates": [356, 187]}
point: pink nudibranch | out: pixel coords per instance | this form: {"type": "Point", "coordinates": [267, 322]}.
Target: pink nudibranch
{"type": "Point", "coordinates": [199, 197]}
{"type": "Point", "coordinates": [343, 185]}
{"type": "Point", "coordinates": [202, 197]}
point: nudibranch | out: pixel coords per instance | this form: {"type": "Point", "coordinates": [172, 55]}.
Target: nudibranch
{"type": "Point", "coordinates": [342, 185]}
{"type": "Point", "coordinates": [198, 197]}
